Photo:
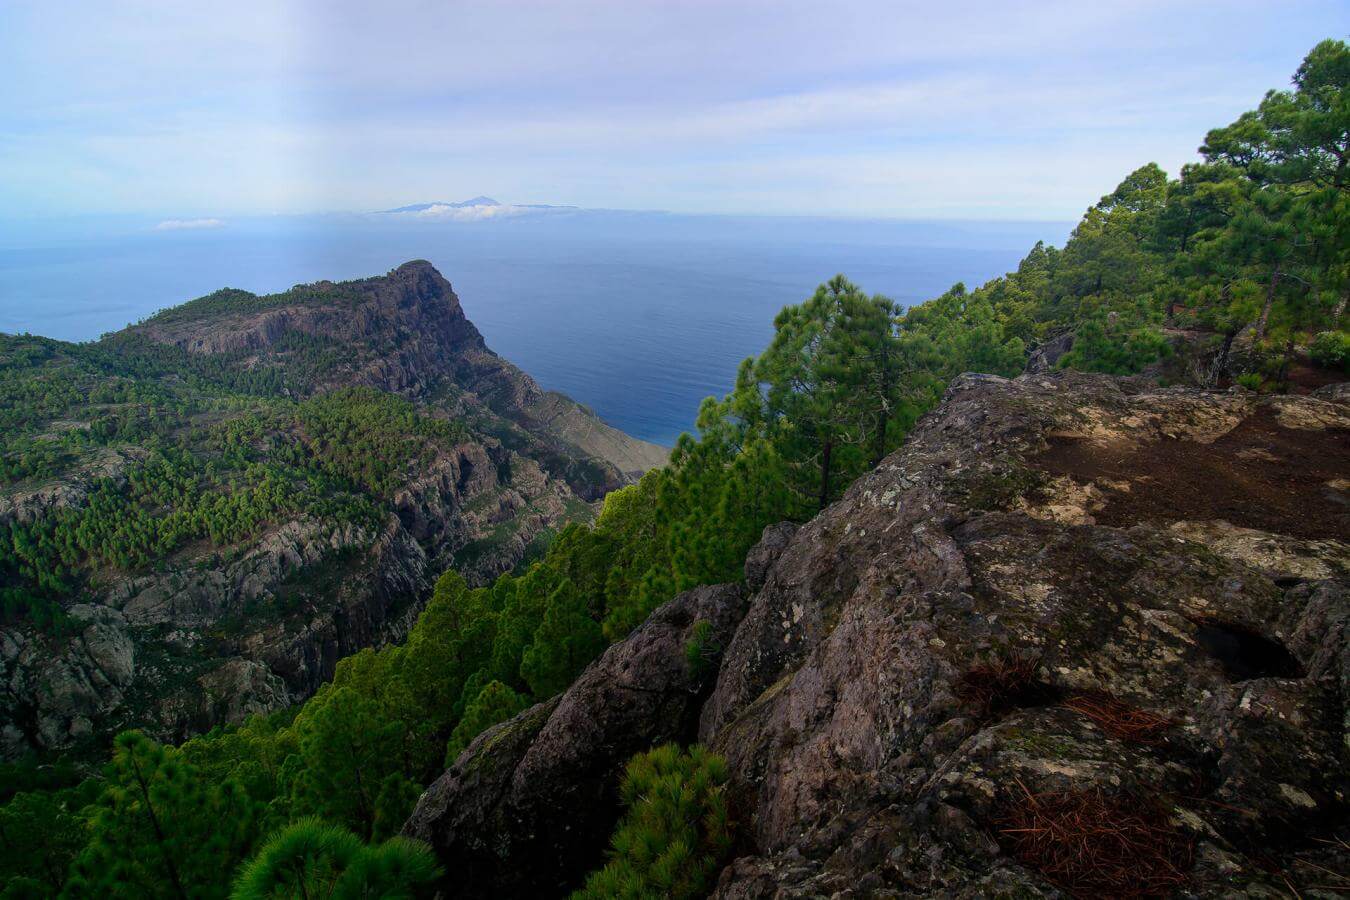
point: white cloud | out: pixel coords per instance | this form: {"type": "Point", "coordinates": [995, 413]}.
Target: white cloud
{"type": "Point", "coordinates": [444, 212]}
{"type": "Point", "coordinates": [189, 224]}
{"type": "Point", "coordinates": [857, 107]}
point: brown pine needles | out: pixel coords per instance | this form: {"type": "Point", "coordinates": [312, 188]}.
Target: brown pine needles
{"type": "Point", "coordinates": [1000, 685]}
{"type": "Point", "coordinates": [1120, 720]}
{"type": "Point", "coordinates": [1093, 844]}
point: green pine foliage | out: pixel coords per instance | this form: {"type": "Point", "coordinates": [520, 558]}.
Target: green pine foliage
{"type": "Point", "coordinates": [566, 640]}
{"type": "Point", "coordinates": [1331, 349]}
{"type": "Point", "coordinates": [201, 459]}
{"type": "Point", "coordinates": [676, 832]}
{"type": "Point", "coordinates": [312, 859]}
{"type": "Point", "coordinates": [159, 829]}
{"type": "Point", "coordinates": [1251, 241]}
{"type": "Point", "coordinates": [494, 703]}
{"type": "Point", "coordinates": [701, 650]}
{"type": "Point", "coordinates": [40, 834]}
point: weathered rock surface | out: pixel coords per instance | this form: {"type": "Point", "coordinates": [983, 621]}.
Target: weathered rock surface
{"type": "Point", "coordinates": [223, 635]}
{"type": "Point", "coordinates": [1035, 601]}
{"type": "Point", "coordinates": [529, 805]}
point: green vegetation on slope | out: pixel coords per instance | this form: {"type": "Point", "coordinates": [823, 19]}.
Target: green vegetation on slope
{"type": "Point", "coordinates": [171, 459]}
{"type": "Point", "coordinates": [1254, 237]}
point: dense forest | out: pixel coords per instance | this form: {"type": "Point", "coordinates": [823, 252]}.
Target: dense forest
{"type": "Point", "coordinates": [215, 453]}
{"type": "Point", "coordinates": [1236, 272]}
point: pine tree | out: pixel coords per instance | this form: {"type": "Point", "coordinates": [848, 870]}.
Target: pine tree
{"type": "Point", "coordinates": [494, 703]}
{"type": "Point", "coordinates": [826, 388]}
{"type": "Point", "coordinates": [40, 833]}
{"type": "Point", "coordinates": [161, 831]}
{"type": "Point", "coordinates": [310, 859]}
{"type": "Point", "coordinates": [676, 831]}
{"type": "Point", "coordinates": [350, 766]}
{"type": "Point", "coordinates": [566, 640]}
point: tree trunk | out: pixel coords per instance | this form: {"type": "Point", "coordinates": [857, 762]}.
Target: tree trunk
{"type": "Point", "coordinates": [825, 473]}
{"type": "Point", "coordinates": [879, 438]}
{"type": "Point", "coordinates": [154, 823]}
{"type": "Point", "coordinates": [1283, 377]}
{"type": "Point", "coordinates": [1221, 361]}
{"type": "Point", "coordinates": [1270, 301]}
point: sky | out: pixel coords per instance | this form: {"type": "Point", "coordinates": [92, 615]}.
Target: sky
{"type": "Point", "coordinates": [996, 109]}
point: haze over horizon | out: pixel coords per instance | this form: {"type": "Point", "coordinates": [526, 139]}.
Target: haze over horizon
{"type": "Point", "coordinates": [975, 110]}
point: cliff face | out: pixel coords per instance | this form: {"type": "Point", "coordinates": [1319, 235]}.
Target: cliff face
{"type": "Point", "coordinates": [1080, 634]}
{"type": "Point", "coordinates": [406, 332]}
{"type": "Point", "coordinates": [211, 633]}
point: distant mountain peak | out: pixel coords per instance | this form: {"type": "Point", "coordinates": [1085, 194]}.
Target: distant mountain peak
{"type": "Point", "coordinates": [480, 200]}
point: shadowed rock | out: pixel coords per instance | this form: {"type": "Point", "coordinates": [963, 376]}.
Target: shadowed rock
{"type": "Point", "coordinates": [528, 807]}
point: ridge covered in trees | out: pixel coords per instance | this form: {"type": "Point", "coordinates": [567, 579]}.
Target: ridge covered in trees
{"type": "Point", "coordinates": [1246, 251]}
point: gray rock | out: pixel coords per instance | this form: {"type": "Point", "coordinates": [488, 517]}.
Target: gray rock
{"type": "Point", "coordinates": [529, 805]}
{"type": "Point", "coordinates": [765, 553]}
{"type": "Point", "coordinates": [839, 706]}
{"type": "Point", "coordinates": [1335, 393]}
{"type": "Point", "coordinates": [1045, 357]}
{"type": "Point", "coordinates": [1191, 669]}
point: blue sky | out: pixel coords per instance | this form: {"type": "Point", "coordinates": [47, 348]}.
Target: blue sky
{"type": "Point", "coordinates": [954, 109]}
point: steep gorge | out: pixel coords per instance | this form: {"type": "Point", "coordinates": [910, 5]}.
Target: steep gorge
{"type": "Point", "coordinates": [216, 630]}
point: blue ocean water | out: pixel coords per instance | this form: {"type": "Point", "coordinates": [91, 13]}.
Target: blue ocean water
{"type": "Point", "coordinates": [637, 315]}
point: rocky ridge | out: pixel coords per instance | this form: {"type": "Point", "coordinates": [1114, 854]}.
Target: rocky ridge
{"type": "Point", "coordinates": [212, 634]}
{"type": "Point", "coordinates": [1079, 636]}
{"type": "Point", "coordinates": [406, 332]}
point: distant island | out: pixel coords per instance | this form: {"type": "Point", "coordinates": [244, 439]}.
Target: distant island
{"type": "Point", "coordinates": [478, 203]}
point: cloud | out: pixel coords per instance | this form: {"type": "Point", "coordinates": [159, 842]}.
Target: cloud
{"type": "Point", "coordinates": [856, 107]}
{"type": "Point", "coordinates": [444, 212]}
{"type": "Point", "coordinates": [189, 224]}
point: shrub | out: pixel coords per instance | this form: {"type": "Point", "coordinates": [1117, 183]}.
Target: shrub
{"type": "Point", "coordinates": [1331, 349]}
{"type": "Point", "coordinates": [701, 651]}
{"type": "Point", "coordinates": [676, 832]}
{"type": "Point", "coordinates": [312, 859]}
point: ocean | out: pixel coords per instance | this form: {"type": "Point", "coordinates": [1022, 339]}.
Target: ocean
{"type": "Point", "coordinates": [638, 315]}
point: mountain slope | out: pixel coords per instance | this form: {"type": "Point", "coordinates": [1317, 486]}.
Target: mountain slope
{"type": "Point", "coordinates": [1024, 655]}
{"type": "Point", "coordinates": [403, 332]}
{"type": "Point", "coordinates": [201, 514]}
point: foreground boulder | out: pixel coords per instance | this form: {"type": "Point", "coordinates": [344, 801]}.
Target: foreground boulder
{"type": "Point", "coordinates": [1002, 664]}
{"type": "Point", "coordinates": [1080, 635]}
{"type": "Point", "coordinates": [529, 805]}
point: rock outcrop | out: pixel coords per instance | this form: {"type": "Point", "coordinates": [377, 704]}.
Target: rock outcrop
{"type": "Point", "coordinates": [1080, 635]}
{"type": "Point", "coordinates": [406, 332]}
{"type": "Point", "coordinates": [543, 787]}
{"type": "Point", "coordinates": [213, 633]}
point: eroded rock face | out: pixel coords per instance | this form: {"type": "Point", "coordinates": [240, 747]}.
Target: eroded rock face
{"type": "Point", "coordinates": [529, 805]}
{"type": "Point", "coordinates": [1031, 606]}
{"type": "Point", "coordinates": [220, 636]}
{"type": "Point", "coordinates": [844, 707]}
{"type": "Point", "coordinates": [406, 332]}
